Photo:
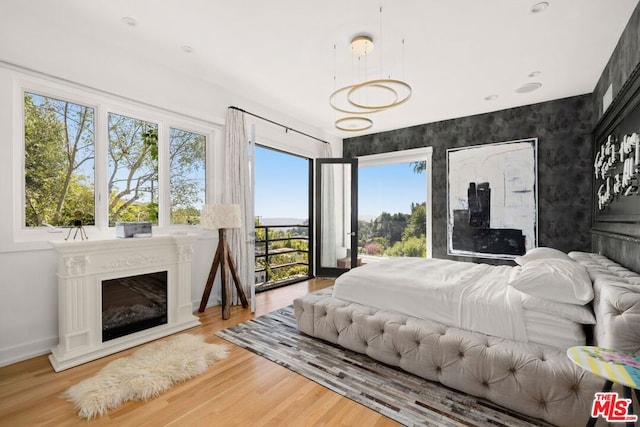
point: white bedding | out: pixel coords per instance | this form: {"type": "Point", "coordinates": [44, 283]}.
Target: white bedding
{"type": "Point", "coordinates": [469, 296]}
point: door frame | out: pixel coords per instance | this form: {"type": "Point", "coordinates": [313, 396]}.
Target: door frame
{"type": "Point", "coordinates": [336, 271]}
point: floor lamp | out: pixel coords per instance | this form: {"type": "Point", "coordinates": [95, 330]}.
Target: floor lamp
{"type": "Point", "coordinates": [222, 217]}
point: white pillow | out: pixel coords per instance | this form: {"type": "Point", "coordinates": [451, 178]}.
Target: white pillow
{"type": "Point", "coordinates": [541, 253]}
{"type": "Point", "coordinates": [577, 313]}
{"type": "Point", "coordinates": [554, 279]}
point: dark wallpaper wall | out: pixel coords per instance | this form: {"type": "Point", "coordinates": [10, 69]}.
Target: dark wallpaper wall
{"type": "Point", "coordinates": [563, 128]}
{"type": "Point", "coordinates": [624, 59]}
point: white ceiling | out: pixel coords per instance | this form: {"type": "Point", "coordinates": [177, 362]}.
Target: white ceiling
{"type": "Point", "coordinates": [281, 53]}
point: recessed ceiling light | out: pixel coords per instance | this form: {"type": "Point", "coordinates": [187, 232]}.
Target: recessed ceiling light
{"type": "Point", "coordinates": [528, 87]}
{"type": "Point", "coordinates": [186, 48]}
{"type": "Point", "coordinates": [129, 21]}
{"type": "Point", "coordinates": [491, 97]}
{"type": "Point", "coordinates": [535, 73]}
{"type": "Point", "coordinates": [539, 7]}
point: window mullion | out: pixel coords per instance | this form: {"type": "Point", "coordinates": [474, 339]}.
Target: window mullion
{"type": "Point", "coordinates": [164, 202]}
{"type": "Point", "coordinates": [101, 176]}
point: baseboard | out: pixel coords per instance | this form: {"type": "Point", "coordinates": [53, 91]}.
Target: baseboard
{"type": "Point", "coordinates": [19, 353]}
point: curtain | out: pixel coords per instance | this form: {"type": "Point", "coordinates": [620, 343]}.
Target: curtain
{"type": "Point", "coordinates": [236, 189]}
{"type": "Point", "coordinates": [328, 257]}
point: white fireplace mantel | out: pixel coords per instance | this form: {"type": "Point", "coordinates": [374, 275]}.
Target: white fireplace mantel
{"type": "Point", "coordinates": [82, 266]}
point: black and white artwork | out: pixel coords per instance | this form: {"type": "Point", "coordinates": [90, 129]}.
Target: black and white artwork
{"type": "Point", "coordinates": [492, 199]}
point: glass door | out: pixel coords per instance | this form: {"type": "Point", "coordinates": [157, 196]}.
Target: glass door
{"type": "Point", "coordinates": [336, 216]}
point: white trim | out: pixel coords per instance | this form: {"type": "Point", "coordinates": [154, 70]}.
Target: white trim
{"type": "Point", "coordinates": [404, 156]}
{"type": "Point", "coordinates": [416, 154]}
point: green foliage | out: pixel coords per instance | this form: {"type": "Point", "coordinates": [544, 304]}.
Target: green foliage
{"type": "Point", "coordinates": [133, 168]}
{"type": "Point", "coordinates": [417, 223]}
{"type": "Point", "coordinates": [414, 246]}
{"type": "Point", "coordinates": [395, 234]}
{"type": "Point", "coordinates": [59, 142]}
{"type": "Point", "coordinates": [188, 215]}
{"type": "Point", "coordinates": [186, 174]}
{"type": "Point", "coordinates": [419, 167]}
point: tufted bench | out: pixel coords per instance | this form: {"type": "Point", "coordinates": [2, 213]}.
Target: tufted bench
{"type": "Point", "coordinates": [531, 379]}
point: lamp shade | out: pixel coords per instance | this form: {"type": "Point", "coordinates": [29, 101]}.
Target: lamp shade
{"type": "Point", "coordinates": [214, 217]}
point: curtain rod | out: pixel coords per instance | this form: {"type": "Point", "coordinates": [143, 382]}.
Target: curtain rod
{"type": "Point", "coordinates": [287, 128]}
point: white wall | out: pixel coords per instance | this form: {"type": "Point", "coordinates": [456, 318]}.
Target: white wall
{"type": "Point", "coordinates": [28, 284]}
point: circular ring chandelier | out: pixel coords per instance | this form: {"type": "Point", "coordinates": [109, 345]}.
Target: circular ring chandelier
{"type": "Point", "coordinates": [380, 83]}
{"type": "Point", "coordinates": [347, 90]}
{"type": "Point", "coordinates": [369, 96]}
{"type": "Point", "coordinates": [354, 124]}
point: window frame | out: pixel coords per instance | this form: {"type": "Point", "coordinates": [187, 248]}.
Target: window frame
{"type": "Point", "coordinates": [33, 238]}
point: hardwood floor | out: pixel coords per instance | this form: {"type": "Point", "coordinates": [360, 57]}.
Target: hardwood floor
{"type": "Point", "coordinates": [242, 390]}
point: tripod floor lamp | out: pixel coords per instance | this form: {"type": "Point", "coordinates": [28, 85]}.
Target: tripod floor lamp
{"type": "Point", "coordinates": [222, 217]}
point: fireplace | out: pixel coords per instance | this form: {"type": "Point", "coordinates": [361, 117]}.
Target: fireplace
{"type": "Point", "coordinates": [134, 303]}
{"type": "Point", "coordinates": [119, 293]}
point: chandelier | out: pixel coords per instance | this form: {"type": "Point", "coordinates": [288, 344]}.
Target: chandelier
{"type": "Point", "coordinates": [366, 96]}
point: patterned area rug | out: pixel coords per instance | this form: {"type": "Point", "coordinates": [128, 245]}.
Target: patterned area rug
{"type": "Point", "coordinates": [401, 396]}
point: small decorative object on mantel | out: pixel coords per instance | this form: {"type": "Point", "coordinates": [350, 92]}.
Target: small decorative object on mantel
{"type": "Point", "coordinates": [77, 226]}
{"type": "Point", "coordinates": [133, 229]}
{"type": "Point", "coordinates": [617, 168]}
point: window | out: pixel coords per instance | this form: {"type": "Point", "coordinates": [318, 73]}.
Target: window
{"type": "Point", "coordinates": [399, 232]}
{"type": "Point", "coordinates": [84, 159]}
{"type": "Point", "coordinates": [187, 175]}
{"type": "Point", "coordinates": [58, 163]}
{"type": "Point", "coordinates": [392, 210]}
{"type": "Point", "coordinates": [133, 170]}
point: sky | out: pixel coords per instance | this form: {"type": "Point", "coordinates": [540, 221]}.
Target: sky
{"type": "Point", "coordinates": [389, 188]}
{"type": "Point", "coordinates": [282, 187]}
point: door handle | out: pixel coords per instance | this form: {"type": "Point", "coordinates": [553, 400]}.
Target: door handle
{"type": "Point", "coordinates": [353, 233]}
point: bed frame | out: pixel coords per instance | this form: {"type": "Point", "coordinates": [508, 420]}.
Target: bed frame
{"type": "Point", "coordinates": [534, 380]}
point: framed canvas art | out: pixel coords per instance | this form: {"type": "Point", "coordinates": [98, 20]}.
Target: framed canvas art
{"type": "Point", "coordinates": [492, 199]}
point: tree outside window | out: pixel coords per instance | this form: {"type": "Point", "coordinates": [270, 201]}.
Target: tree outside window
{"type": "Point", "coordinates": [187, 175]}
{"type": "Point", "coordinates": [59, 143]}
{"type": "Point", "coordinates": [133, 170]}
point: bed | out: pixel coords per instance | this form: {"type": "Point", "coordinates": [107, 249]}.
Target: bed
{"type": "Point", "coordinates": [500, 333]}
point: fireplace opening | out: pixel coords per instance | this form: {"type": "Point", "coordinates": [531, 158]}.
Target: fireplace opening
{"type": "Point", "coordinates": [132, 304]}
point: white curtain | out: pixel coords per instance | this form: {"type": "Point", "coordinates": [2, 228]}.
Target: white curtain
{"type": "Point", "coordinates": [236, 189]}
{"type": "Point", "coordinates": [328, 257]}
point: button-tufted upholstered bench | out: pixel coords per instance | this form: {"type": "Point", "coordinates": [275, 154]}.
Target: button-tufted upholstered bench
{"type": "Point", "coordinates": [534, 380]}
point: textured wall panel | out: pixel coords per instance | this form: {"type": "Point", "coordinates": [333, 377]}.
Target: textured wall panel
{"type": "Point", "coordinates": [623, 61]}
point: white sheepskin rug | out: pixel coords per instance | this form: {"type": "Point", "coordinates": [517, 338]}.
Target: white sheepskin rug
{"type": "Point", "coordinates": [145, 374]}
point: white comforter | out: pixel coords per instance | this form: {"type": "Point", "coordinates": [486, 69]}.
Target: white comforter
{"type": "Point", "coordinates": [475, 297]}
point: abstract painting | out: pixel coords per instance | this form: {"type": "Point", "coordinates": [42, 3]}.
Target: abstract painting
{"type": "Point", "coordinates": [492, 199]}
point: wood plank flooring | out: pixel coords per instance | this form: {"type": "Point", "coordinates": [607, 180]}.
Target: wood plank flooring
{"type": "Point", "coordinates": [242, 390]}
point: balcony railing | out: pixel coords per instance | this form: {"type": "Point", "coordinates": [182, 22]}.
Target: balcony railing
{"type": "Point", "coordinates": [281, 255]}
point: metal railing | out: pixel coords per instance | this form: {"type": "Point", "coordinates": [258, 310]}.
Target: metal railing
{"type": "Point", "coordinates": [281, 255]}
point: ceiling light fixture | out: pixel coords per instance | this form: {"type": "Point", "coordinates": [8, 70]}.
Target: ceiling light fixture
{"type": "Point", "coordinates": [361, 45]}
{"type": "Point", "coordinates": [186, 48]}
{"type": "Point", "coordinates": [539, 7]}
{"type": "Point", "coordinates": [354, 124]}
{"type": "Point", "coordinates": [369, 95]}
{"type": "Point", "coordinates": [528, 87]}
{"type": "Point", "coordinates": [535, 73]}
{"type": "Point", "coordinates": [492, 97]}
{"type": "Point", "coordinates": [129, 21]}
